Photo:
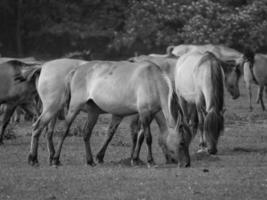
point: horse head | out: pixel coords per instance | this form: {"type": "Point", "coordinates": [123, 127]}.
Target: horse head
{"type": "Point", "coordinates": [232, 76]}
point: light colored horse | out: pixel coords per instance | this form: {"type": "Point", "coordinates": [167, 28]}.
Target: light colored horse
{"type": "Point", "coordinates": [199, 82]}
{"type": "Point", "coordinates": [231, 74]}
{"type": "Point", "coordinates": [245, 60]}
{"type": "Point", "coordinates": [51, 87]}
{"type": "Point", "coordinates": [16, 89]}
{"type": "Point", "coordinates": [257, 75]}
{"type": "Point", "coordinates": [220, 51]}
{"type": "Point", "coordinates": [124, 88]}
{"type": "Point", "coordinates": [51, 90]}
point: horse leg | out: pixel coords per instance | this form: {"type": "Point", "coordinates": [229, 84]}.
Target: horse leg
{"type": "Point", "coordinates": [248, 85]}
{"type": "Point", "coordinates": [194, 120]}
{"type": "Point", "coordinates": [161, 121]}
{"type": "Point", "coordinates": [203, 144]}
{"type": "Point", "coordinates": [145, 119]}
{"type": "Point", "coordinates": [7, 115]}
{"type": "Point", "coordinates": [72, 112]}
{"type": "Point", "coordinates": [38, 127]}
{"type": "Point", "coordinates": [91, 121]}
{"type": "Point", "coordinates": [15, 118]}
{"type": "Point", "coordinates": [115, 122]}
{"type": "Point", "coordinates": [49, 137]}
{"type": "Point", "coordinates": [260, 96]}
{"type": "Point", "coordinates": [135, 127]}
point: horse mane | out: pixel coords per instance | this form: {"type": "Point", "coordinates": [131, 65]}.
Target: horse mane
{"type": "Point", "coordinates": [216, 79]}
{"type": "Point", "coordinates": [32, 73]}
{"type": "Point", "coordinates": [249, 55]}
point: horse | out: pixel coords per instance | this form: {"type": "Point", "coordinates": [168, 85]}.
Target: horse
{"type": "Point", "coordinates": [167, 64]}
{"type": "Point", "coordinates": [168, 53]}
{"type": "Point", "coordinates": [257, 75]}
{"type": "Point", "coordinates": [245, 60]}
{"type": "Point", "coordinates": [199, 82]}
{"type": "Point", "coordinates": [97, 88]}
{"type": "Point", "coordinates": [20, 110]}
{"type": "Point", "coordinates": [51, 90]}
{"type": "Point", "coordinates": [17, 88]}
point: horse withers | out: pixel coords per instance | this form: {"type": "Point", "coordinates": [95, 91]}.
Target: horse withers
{"type": "Point", "coordinates": [97, 88]}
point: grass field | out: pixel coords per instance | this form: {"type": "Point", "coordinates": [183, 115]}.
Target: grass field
{"type": "Point", "coordinates": [238, 171]}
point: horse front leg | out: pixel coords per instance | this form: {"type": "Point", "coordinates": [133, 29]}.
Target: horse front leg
{"type": "Point", "coordinates": [68, 122]}
{"type": "Point", "coordinates": [260, 97]}
{"type": "Point", "coordinates": [115, 122]}
{"type": "Point", "coordinates": [135, 127]}
{"type": "Point", "coordinates": [145, 120]}
{"type": "Point", "coordinates": [91, 121]}
{"type": "Point", "coordinates": [7, 115]}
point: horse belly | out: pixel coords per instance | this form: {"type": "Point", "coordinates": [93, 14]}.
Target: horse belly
{"type": "Point", "coordinates": [114, 100]}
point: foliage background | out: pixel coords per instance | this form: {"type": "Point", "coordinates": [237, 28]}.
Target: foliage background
{"type": "Point", "coordinates": [119, 28]}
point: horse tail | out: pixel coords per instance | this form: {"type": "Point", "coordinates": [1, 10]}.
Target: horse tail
{"type": "Point", "coordinates": [172, 109]}
{"type": "Point", "coordinates": [67, 87]}
{"type": "Point", "coordinates": [214, 121]}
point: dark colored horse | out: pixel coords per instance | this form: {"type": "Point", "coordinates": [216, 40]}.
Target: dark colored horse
{"type": "Point", "coordinates": [17, 88]}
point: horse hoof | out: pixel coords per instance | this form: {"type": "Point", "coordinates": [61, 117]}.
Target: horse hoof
{"type": "Point", "coordinates": [56, 162]}
{"type": "Point", "coordinates": [184, 165]}
{"type": "Point", "coordinates": [91, 163]}
{"type": "Point", "coordinates": [202, 150]}
{"type": "Point", "coordinates": [136, 162]}
{"type": "Point", "coordinates": [99, 159]}
{"type": "Point", "coordinates": [33, 161]}
{"type": "Point", "coordinates": [212, 151]}
{"type": "Point", "coordinates": [151, 163]}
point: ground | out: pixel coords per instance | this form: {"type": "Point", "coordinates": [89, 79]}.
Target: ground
{"type": "Point", "coordinates": [238, 171]}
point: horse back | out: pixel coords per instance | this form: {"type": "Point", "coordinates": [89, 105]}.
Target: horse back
{"type": "Point", "coordinates": [116, 87]}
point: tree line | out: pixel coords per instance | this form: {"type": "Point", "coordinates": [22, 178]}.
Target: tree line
{"type": "Point", "coordinates": [117, 29]}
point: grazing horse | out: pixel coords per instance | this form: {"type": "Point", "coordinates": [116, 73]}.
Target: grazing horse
{"type": "Point", "coordinates": [51, 90]}
{"type": "Point", "coordinates": [231, 74]}
{"type": "Point", "coordinates": [245, 60]}
{"type": "Point", "coordinates": [97, 88]}
{"type": "Point", "coordinates": [20, 110]}
{"type": "Point", "coordinates": [257, 75]}
{"type": "Point", "coordinates": [17, 88]}
{"type": "Point", "coordinates": [199, 82]}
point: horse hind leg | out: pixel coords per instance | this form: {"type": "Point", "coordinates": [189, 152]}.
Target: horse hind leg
{"type": "Point", "coordinates": [49, 137]}
{"type": "Point", "coordinates": [115, 122]}
{"type": "Point", "coordinates": [38, 127]}
{"type": "Point", "coordinates": [7, 115]}
{"type": "Point", "coordinates": [200, 117]}
{"type": "Point", "coordinates": [260, 97]}
{"type": "Point", "coordinates": [213, 125]}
